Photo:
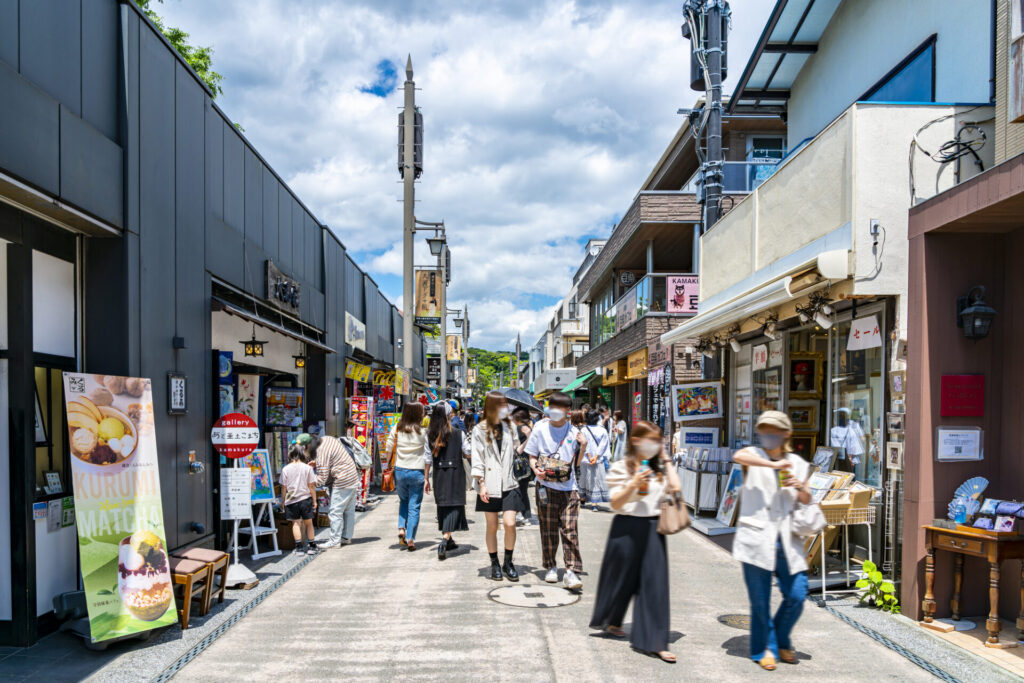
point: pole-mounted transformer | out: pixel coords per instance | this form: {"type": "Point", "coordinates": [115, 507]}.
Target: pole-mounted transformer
{"type": "Point", "coordinates": [707, 28]}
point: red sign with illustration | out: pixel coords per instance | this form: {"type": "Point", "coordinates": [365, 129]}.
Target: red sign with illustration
{"type": "Point", "coordinates": [962, 396]}
{"type": "Point", "coordinates": [235, 435]}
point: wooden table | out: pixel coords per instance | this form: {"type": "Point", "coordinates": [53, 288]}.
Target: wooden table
{"type": "Point", "coordinates": [987, 545]}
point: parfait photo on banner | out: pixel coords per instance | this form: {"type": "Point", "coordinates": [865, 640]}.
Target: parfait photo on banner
{"type": "Point", "coordinates": [121, 538]}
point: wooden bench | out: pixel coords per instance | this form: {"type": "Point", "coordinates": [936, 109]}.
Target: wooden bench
{"type": "Point", "coordinates": [194, 577]}
{"type": "Point", "coordinates": [217, 561]}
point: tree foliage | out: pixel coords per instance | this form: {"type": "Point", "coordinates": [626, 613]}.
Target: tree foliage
{"type": "Point", "coordinates": [490, 365]}
{"type": "Point", "coordinates": [199, 58]}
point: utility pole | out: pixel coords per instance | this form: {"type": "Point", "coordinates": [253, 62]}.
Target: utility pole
{"type": "Point", "coordinates": [442, 265]}
{"type": "Point", "coordinates": [408, 170]}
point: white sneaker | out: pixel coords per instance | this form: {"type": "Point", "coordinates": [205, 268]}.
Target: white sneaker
{"type": "Point", "coordinates": [552, 575]}
{"type": "Point", "coordinates": [570, 581]}
{"type": "Point", "coordinates": [328, 544]}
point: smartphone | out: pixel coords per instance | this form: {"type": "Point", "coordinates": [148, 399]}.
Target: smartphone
{"type": "Point", "coordinates": [542, 494]}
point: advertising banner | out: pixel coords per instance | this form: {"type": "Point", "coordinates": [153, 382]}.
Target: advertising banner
{"type": "Point", "coordinates": [454, 347]}
{"type": "Point", "coordinates": [433, 368]}
{"type": "Point", "coordinates": [357, 371]}
{"type": "Point", "coordinates": [428, 297]}
{"type": "Point", "coordinates": [683, 292]}
{"type": "Point", "coordinates": [121, 540]}
{"type": "Point", "coordinates": [401, 381]}
{"type": "Point", "coordinates": [247, 401]}
{"type": "Point", "coordinates": [361, 412]}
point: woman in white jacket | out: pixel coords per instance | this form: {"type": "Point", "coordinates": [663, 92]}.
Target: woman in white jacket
{"type": "Point", "coordinates": [774, 481]}
{"type": "Point", "coordinates": [494, 445]}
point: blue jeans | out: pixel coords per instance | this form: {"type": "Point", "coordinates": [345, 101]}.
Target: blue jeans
{"type": "Point", "coordinates": [767, 633]}
{"type": "Point", "coordinates": [409, 484]}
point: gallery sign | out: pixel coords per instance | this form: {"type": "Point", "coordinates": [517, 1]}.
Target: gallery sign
{"type": "Point", "coordinates": [121, 540]}
{"type": "Point", "coordinates": [235, 435]}
{"type": "Point", "coordinates": [282, 291]}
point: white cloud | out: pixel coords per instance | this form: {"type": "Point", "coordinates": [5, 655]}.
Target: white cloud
{"type": "Point", "coordinates": [541, 121]}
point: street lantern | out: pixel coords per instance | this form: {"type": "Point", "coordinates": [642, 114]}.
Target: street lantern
{"type": "Point", "coordinates": [254, 346]}
{"type": "Point", "coordinates": [974, 315]}
{"type": "Point", "coordinates": [436, 244]}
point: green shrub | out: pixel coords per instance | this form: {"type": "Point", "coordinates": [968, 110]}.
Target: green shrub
{"type": "Point", "coordinates": [877, 590]}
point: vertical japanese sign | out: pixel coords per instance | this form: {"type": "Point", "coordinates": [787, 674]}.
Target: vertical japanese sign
{"type": "Point", "coordinates": [454, 347]}
{"type": "Point", "coordinates": [121, 540]}
{"type": "Point", "coordinates": [428, 297]}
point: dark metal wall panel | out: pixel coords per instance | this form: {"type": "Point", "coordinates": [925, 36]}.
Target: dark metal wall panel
{"type": "Point", "coordinates": [234, 179]}
{"type": "Point", "coordinates": [50, 49]}
{"type": "Point", "coordinates": [9, 32]}
{"type": "Point", "coordinates": [284, 230]}
{"type": "Point", "coordinates": [99, 65]}
{"type": "Point", "coordinates": [298, 239]}
{"type": "Point", "coordinates": [370, 295]}
{"type": "Point", "coordinates": [313, 239]}
{"type": "Point", "coordinates": [157, 243]}
{"type": "Point", "coordinates": [29, 132]}
{"type": "Point", "coordinates": [354, 303]}
{"type": "Point", "coordinates": [256, 272]}
{"type": "Point", "coordinates": [253, 197]}
{"type": "Point", "coordinates": [214, 162]}
{"type": "Point", "coordinates": [224, 256]}
{"type": "Point", "coordinates": [131, 120]}
{"type": "Point", "coordinates": [316, 308]}
{"type": "Point", "coordinates": [90, 169]}
{"type": "Point", "coordinates": [191, 302]}
{"type": "Point", "coordinates": [270, 216]}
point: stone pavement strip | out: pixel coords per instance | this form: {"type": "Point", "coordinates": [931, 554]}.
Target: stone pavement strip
{"type": "Point", "coordinates": [372, 612]}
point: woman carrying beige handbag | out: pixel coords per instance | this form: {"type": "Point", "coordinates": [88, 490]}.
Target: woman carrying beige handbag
{"type": "Point", "coordinates": [642, 485]}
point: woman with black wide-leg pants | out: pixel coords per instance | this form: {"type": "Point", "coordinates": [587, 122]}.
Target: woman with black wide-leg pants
{"type": "Point", "coordinates": [635, 564]}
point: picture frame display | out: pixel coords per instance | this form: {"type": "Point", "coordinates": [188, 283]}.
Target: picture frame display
{"type": "Point", "coordinates": [820, 484]}
{"type": "Point", "coordinates": [804, 444]}
{"type": "Point", "coordinates": [804, 416]}
{"type": "Point", "coordinates": [697, 401]}
{"type": "Point", "coordinates": [894, 455]}
{"type": "Point", "coordinates": [825, 458]}
{"type": "Point", "coordinates": [898, 382]}
{"type": "Point", "coordinates": [806, 370]}
{"type": "Point", "coordinates": [894, 422]}
{"type": "Point", "coordinates": [730, 497]}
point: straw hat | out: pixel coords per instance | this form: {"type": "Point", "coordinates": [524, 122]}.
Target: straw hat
{"type": "Point", "coordinates": [775, 418]}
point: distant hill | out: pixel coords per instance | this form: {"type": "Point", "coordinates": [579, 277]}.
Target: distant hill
{"type": "Point", "coordinates": [490, 364]}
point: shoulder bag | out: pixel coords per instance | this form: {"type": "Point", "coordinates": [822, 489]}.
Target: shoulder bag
{"type": "Point", "coordinates": [520, 461]}
{"type": "Point", "coordinates": [674, 517]}
{"type": "Point", "coordinates": [556, 469]}
{"type": "Point", "coordinates": [387, 477]}
{"type": "Point", "coordinates": [806, 520]}
{"type": "Point", "coordinates": [360, 457]}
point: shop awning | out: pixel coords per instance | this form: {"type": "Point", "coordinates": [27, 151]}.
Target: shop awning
{"type": "Point", "coordinates": [220, 304]}
{"type": "Point", "coordinates": [578, 382]}
{"type": "Point", "coordinates": [719, 312]}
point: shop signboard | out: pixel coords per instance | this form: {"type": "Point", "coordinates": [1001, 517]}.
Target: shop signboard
{"type": "Point", "coordinates": [683, 292]}
{"type": "Point", "coordinates": [355, 332]}
{"type": "Point", "coordinates": [454, 347]}
{"type": "Point", "coordinates": [759, 357]}
{"type": "Point", "coordinates": [284, 407]}
{"type": "Point", "coordinates": [235, 435]}
{"type": "Point", "coordinates": [357, 371]}
{"type": "Point", "coordinates": [401, 381]}
{"type": "Point", "coordinates": [385, 397]}
{"type": "Point", "coordinates": [282, 291]}
{"type": "Point", "coordinates": [625, 311]}
{"type": "Point", "coordinates": [431, 345]}
{"type": "Point", "coordinates": [658, 354]}
{"type": "Point", "coordinates": [865, 333]}
{"type": "Point", "coordinates": [659, 384]}
{"type": "Point", "coordinates": [636, 364]}
{"type": "Point", "coordinates": [428, 297]}
{"type": "Point", "coordinates": [962, 396]}
{"type": "Point", "coordinates": [121, 541]}
{"type": "Point", "coordinates": [775, 354]}
{"type": "Point", "coordinates": [235, 493]}
{"type": "Point", "coordinates": [615, 373]}
{"type": "Point", "coordinates": [433, 368]}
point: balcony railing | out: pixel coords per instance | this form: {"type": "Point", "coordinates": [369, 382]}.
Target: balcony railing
{"type": "Point", "coordinates": [737, 176]}
{"type": "Point", "coordinates": [649, 296]}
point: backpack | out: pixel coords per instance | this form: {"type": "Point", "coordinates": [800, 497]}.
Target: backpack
{"type": "Point", "coordinates": [359, 455]}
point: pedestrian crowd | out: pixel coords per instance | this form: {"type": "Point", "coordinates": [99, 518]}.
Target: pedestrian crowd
{"type": "Point", "coordinates": [571, 458]}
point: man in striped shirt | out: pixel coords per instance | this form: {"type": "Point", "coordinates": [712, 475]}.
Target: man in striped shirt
{"type": "Point", "coordinates": [335, 468]}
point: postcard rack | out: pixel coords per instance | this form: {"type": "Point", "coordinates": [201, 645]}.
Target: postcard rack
{"type": "Point", "coordinates": [703, 473]}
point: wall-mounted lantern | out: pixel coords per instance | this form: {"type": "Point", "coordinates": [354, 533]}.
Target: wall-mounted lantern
{"type": "Point", "coordinates": [973, 314]}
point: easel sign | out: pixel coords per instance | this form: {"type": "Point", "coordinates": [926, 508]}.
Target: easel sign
{"type": "Point", "coordinates": [261, 499]}
{"type": "Point", "coordinates": [235, 436]}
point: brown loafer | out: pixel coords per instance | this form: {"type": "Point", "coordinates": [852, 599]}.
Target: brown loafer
{"type": "Point", "coordinates": [788, 656]}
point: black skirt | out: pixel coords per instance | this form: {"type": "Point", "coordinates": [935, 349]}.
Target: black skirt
{"type": "Point", "coordinates": [510, 500]}
{"type": "Point", "coordinates": [451, 518]}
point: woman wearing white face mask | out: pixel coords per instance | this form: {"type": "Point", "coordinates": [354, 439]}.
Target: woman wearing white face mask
{"type": "Point", "coordinates": [774, 481]}
{"type": "Point", "coordinates": [494, 444]}
{"type": "Point", "coordinates": [635, 565]}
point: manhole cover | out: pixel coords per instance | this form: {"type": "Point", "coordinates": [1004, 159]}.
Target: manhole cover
{"type": "Point", "coordinates": [740, 621]}
{"type": "Point", "coordinates": [533, 596]}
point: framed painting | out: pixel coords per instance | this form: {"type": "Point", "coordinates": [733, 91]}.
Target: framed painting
{"type": "Point", "coordinates": [806, 370]}
{"type": "Point", "coordinates": [825, 458]}
{"type": "Point", "coordinates": [804, 444]}
{"type": "Point", "coordinates": [262, 478]}
{"type": "Point", "coordinates": [804, 416]}
{"type": "Point", "coordinates": [730, 497]}
{"type": "Point", "coordinates": [697, 401]}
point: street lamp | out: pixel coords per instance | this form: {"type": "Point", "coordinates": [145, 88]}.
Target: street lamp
{"type": "Point", "coordinates": [436, 244]}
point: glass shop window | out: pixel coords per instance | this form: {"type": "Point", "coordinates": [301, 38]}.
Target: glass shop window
{"type": "Point", "coordinates": [806, 377]}
{"type": "Point", "coordinates": [857, 406]}
{"type": "Point", "coordinates": [53, 471]}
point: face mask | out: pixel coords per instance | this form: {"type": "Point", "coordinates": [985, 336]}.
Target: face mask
{"type": "Point", "coordinates": [648, 449]}
{"type": "Point", "coordinates": [771, 441]}
{"type": "Point", "coordinates": [502, 413]}
{"type": "Point", "coordinates": [556, 415]}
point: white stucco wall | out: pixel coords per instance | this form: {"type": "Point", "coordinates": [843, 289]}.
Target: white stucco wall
{"type": "Point", "coordinates": [867, 38]}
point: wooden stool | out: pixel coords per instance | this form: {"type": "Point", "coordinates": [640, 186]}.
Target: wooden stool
{"type": "Point", "coordinates": [194, 577]}
{"type": "Point", "coordinates": [216, 560]}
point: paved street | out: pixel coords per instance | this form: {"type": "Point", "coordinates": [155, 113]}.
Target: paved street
{"type": "Point", "coordinates": [372, 612]}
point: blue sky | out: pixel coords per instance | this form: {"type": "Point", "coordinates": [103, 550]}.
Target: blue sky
{"type": "Point", "coordinates": [541, 120]}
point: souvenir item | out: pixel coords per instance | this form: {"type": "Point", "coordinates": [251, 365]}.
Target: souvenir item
{"type": "Point", "coordinates": [1004, 523]}
{"type": "Point", "coordinates": [972, 488]}
{"type": "Point", "coordinates": [989, 506]}
{"type": "Point", "coordinates": [983, 523]}
{"type": "Point", "coordinates": [1009, 507]}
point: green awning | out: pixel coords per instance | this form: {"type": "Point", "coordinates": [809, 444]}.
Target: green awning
{"type": "Point", "coordinates": [576, 383]}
